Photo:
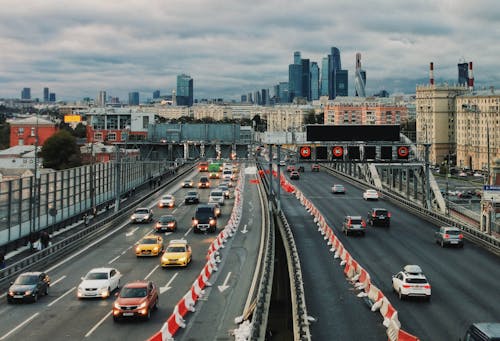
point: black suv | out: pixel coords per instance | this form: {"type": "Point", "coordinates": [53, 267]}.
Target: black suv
{"type": "Point", "coordinates": [379, 216]}
{"type": "Point", "coordinates": [204, 182]}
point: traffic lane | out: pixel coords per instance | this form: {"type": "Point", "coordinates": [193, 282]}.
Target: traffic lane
{"type": "Point", "coordinates": [226, 298]}
{"type": "Point", "coordinates": [330, 299]}
{"type": "Point", "coordinates": [410, 239]}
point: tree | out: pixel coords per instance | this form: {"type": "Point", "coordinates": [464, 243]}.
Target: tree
{"type": "Point", "coordinates": [60, 151]}
{"type": "Point", "coordinates": [80, 130]}
{"type": "Point", "coordinates": [4, 135]}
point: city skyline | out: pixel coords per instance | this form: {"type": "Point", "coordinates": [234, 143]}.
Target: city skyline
{"type": "Point", "coordinates": [84, 47]}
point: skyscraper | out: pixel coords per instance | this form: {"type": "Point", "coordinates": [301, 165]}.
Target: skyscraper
{"type": "Point", "coordinates": [184, 90]}
{"type": "Point", "coordinates": [45, 94]}
{"type": "Point", "coordinates": [265, 96]}
{"type": "Point", "coordinates": [296, 57]}
{"type": "Point", "coordinates": [324, 77]}
{"type": "Point", "coordinates": [52, 97]}
{"type": "Point", "coordinates": [295, 77]}
{"type": "Point", "coordinates": [26, 93]}
{"type": "Point", "coordinates": [133, 98]}
{"type": "Point", "coordinates": [156, 94]}
{"type": "Point", "coordinates": [283, 93]}
{"type": "Point", "coordinates": [101, 99]}
{"type": "Point", "coordinates": [463, 73]}
{"type": "Point", "coordinates": [314, 81]}
{"type": "Point", "coordinates": [306, 78]}
{"type": "Point", "coordinates": [337, 78]}
{"type": "Point", "coordinates": [340, 79]}
{"type": "Point", "coordinates": [359, 78]}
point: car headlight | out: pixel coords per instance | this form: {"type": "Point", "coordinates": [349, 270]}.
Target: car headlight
{"type": "Point", "coordinates": [11, 293]}
{"type": "Point", "coordinates": [28, 292]}
{"type": "Point", "coordinates": [116, 305]}
{"type": "Point", "coordinates": [195, 222]}
{"type": "Point", "coordinates": [212, 221]}
{"type": "Point", "coordinates": [142, 305]}
{"type": "Point", "coordinates": [182, 259]}
{"type": "Point", "coordinates": [103, 290]}
{"type": "Point", "coordinates": [138, 249]}
{"type": "Point", "coordinates": [132, 217]}
{"type": "Point", "coordinates": [155, 249]}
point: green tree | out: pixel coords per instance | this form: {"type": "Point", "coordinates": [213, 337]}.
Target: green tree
{"type": "Point", "coordinates": [60, 151]}
{"type": "Point", "coordinates": [4, 134]}
{"type": "Point", "coordinates": [80, 131]}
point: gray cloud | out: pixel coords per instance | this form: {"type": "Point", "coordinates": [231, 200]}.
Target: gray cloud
{"type": "Point", "coordinates": [231, 47]}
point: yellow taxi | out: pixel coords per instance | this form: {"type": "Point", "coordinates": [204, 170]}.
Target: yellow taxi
{"type": "Point", "coordinates": [150, 245]}
{"type": "Point", "coordinates": [177, 253]}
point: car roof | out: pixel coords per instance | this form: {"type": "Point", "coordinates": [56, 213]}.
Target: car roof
{"type": "Point", "coordinates": [338, 185]}
{"type": "Point", "coordinates": [413, 269]}
{"type": "Point", "coordinates": [450, 228]}
{"type": "Point", "coordinates": [370, 190]}
{"type": "Point", "coordinates": [31, 273]}
{"type": "Point", "coordinates": [167, 216]}
{"type": "Point", "coordinates": [101, 269]}
{"type": "Point", "coordinates": [353, 216]}
{"type": "Point", "coordinates": [178, 241]}
{"type": "Point", "coordinates": [136, 284]}
{"type": "Point", "coordinates": [142, 208]}
{"type": "Point", "coordinates": [378, 209]}
{"type": "Point", "coordinates": [150, 236]}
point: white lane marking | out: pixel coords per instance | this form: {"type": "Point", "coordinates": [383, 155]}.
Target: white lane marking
{"type": "Point", "coordinates": [185, 234]}
{"type": "Point", "coordinates": [244, 229]}
{"type": "Point", "coordinates": [175, 209]}
{"type": "Point", "coordinates": [224, 285]}
{"type": "Point", "coordinates": [128, 234]}
{"type": "Point", "coordinates": [86, 248]}
{"type": "Point", "coordinates": [168, 233]}
{"type": "Point", "coordinates": [98, 324]}
{"type": "Point", "coordinates": [19, 326]}
{"type": "Point", "coordinates": [57, 299]}
{"type": "Point", "coordinates": [167, 286]}
{"type": "Point", "coordinates": [151, 272]}
{"type": "Point", "coordinates": [3, 295]}
{"type": "Point", "coordinates": [58, 280]}
{"type": "Point", "coordinates": [111, 261]}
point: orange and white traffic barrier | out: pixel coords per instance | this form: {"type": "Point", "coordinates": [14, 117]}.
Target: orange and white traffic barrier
{"type": "Point", "coordinates": [363, 282]}
{"type": "Point", "coordinates": [388, 312]}
{"type": "Point", "coordinates": [198, 286]}
{"type": "Point", "coordinates": [376, 296]}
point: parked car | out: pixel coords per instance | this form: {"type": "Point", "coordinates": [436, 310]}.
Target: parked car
{"type": "Point", "coordinates": [166, 222]}
{"type": "Point", "coordinates": [28, 286]}
{"type": "Point", "coordinates": [167, 200]}
{"type": "Point", "coordinates": [353, 224]}
{"type": "Point", "coordinates": [136, 300]}
{"type": "Point", "coordinates": [187, 184]}
{"type": "Point", "coordinates": [338, 189]}
{"type": "Point", "coordinates": [370, 194]}
{"type": "Point", "coordinates": [192, 197]}
{"type": "Point", "coordinates": [150, 245]}
{"type": "Point", "coordinates": [448, 235]}
{"type": "Point", "coordinates": [294, 175]}
{"type": "Point", "coordinates": [411, 281]}
{"type": "Point", "coordinates": [177, 253]}
{"type": "Point", "coordinates": [379, 216]}
{"type": "Point", "coordinates": [315, 167]}
{"type": "Point", "coordinates": [142, 215]}
{"type": "Point", "coordinates": [99, 282]}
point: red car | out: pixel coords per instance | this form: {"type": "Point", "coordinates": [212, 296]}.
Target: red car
{"type": "Point", "coordinates": [294, 175]}
{"type": "Point", "coordinates": [136, 300]}
{"type": "Point", "coordinates": [314, 167]}
{"type": "Point", "coordinates": [290, 168]}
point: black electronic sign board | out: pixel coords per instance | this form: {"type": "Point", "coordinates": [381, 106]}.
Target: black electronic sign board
{"type": "Point", "coordinates": [370, 153]}
{"type": "Point", "coordinates": [386, 153]}
{"type": "Point", "coordinates": [321, 153]}
{"type": "Point", "coordinates": [352, 132]}
{"type": "Point", "coordinates": [353, 153]}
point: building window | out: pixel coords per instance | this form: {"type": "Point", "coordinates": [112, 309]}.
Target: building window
{"type": "Point", "coordinates": [20, 142]}
{"type": "Point", "coordinates": [20, 131]}
{"type": "Point", "coordinates": [145, 122]}
{"type": "Point", "coordinates": [98, 136]}
{"type": "Point", "coordinates": [111, 137]}
{"type": "Point", "coordinates": [32, 131]}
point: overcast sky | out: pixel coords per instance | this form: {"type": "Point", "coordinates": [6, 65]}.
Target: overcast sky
{"type": "Point", "coordinates": [231, 47]}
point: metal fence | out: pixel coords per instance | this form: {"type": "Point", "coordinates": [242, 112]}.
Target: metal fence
{"type": "Point", "coordinates": [29, 205]}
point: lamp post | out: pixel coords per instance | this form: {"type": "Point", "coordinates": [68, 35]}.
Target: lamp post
{"type": "Point", "coordinates": [36, 209]}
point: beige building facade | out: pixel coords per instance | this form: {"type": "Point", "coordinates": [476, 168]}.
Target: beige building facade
{"type": "Point", "coordinates": [289, 118]}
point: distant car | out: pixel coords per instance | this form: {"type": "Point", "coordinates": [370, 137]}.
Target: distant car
{"type": "Point", "coordinates": [150, 245]}
{"type": "Point", "coordinates": [294, 175]}
{"type": "Point", "coordinates": [462, 174]}
{"type": "Point", "coordinates": [167, 200]}
{"type": "Point", "coordinates": [187, 184]}
{"type": "Point", "coordinates": [28, 286]}
{"type": "Point", "coordinates": [214, 175]}
{"type": "Point", "coordinates": [136, 299]}
{"type": "Point", "coordinates": [177, 253]}
{"type": "Point", "coordinates": [290, 168]}
{"type": "Point", "coordinates": [166, 222]}
{"type": "Point", "coordinates": [228, 183]}
{"type": "Point", "coordinates": [204, 182]}
{"type": "Point", "coordinates": [338, 189]}
{"type": "Point", "coordinates": [448, 235]}
{"type": "Point", "coordinates": [301, 169]}
{"type": "Point", "coordinates": [216, 208]}
{"type": "Point", "coordinates": [225, 189]}
{"type": "Point", "coordinates": [142, 215]}
{"type": "Point", "coordinates": [378, 216]}
{"type": "Point", "coordinates": [282, 163]}
{"type": "Point", "coordinates": [411, 282]}
{"type": "Point", "coordinates": [370, 194]}
{"type": "Point", "coordinates": [315, 167]}
{"type": "Point", "coordinates": [353, 224]}
{"type": "Point", "coordinates": [192, 197]}
{"type": "Point", "coordinates": [464, 195]}
{"type": "Point", "coordinates": [99, 282]}
{"type": "Point", "coordinates": [217, 195]}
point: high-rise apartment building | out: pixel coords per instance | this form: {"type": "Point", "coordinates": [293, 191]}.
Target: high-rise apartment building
{"type": "Point", "coordinates": [101, 99]}
{"type": "Point", "coordinates": [52, 97]}
{"type": "Point", "coordinates": [133, 98]}
{"type": "Point", "coordinates": [156, 94]}
{"type": "Point", "coordinates": [463, 73]}
{"type": "Point", "coordinates": [314, 81]}
{"type": "Point", "coordinates": [306, 79]}
{"type": "Point", "coordinates": [184, 93]}
{"type": "Point", "coordinates": [26, 94]}
{"type": "Point", "coordinates": [45, 94]}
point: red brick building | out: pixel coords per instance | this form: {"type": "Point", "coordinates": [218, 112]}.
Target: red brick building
{"type": "Point", "coordinates": [23, 132]}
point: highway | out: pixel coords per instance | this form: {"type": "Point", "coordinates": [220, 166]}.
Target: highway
{"type": "Point", "coordinates": [464, 288]}
{"type": "Point", "coordinates": [61, 316]}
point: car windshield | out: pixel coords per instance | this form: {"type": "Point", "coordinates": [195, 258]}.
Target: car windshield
{"type": "Point", "coordinates": [166, 219]}
{"type": "Point", "coordinates": [216, 194]}
{"type": "Point", "coordinates": [192, 194]}
{"type": "Point", "coordinates": [149, 241]}
{"type": "Point", "coordinates": [97, 275]}
{"type": "Point", "coordinates": [453, 232]}
{"type": "Point", "coordinates": [141, 211]}
{"type": "Point", "coordinates": [371, 191]}
{"type": "Point", "coordinates": [167, 197]}
{"type": "Point", "coordinates": [381, 212]}
{"type": "Point", "coordinates": [26, 280]}
{"type": "Point", "coordinates": [133, 292]}
{"type": "Point", "coordinates": [416, 280]}
{"type": "Point", "coordinates": [176, 248]}
{"type": "Point", "coordinates": [187, 181]}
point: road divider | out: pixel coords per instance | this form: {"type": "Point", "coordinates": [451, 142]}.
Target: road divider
{"type": "Point", "coordinates": [187, 303]}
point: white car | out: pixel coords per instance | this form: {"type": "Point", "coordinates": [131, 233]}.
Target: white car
{"type": "Point", "coordinates": [168, 200]}
{"type": "Point", "coordinates": [217, 195]}
{"type": "Point", "coordinates": [411, 282]}
{"type": "Point", "coordinates": [99, 282]}
{"type": "Point", "coordinates": [370, 194]}
{"type": "Point", "coordinates": [142, 215]}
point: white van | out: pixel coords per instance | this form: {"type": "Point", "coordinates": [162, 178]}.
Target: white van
{"type": "Point", "coordinates": [217, 195]}
{"type": "Point", "coordinates": [227, 174]}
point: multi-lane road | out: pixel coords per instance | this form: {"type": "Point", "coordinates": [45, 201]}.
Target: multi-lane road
{"type": "Point", "coordinates": [464, 286]}
{"type": "Point", "coordinates": [62, 316]}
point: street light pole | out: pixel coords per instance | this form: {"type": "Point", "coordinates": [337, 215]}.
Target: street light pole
{"type": "Point", "coordinates": [36, 209]}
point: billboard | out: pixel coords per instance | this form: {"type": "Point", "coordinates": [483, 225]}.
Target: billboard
{"type": "Point", "coordinates": [352, 132]}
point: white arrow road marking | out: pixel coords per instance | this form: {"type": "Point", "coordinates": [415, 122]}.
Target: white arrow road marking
{"type": "Point", "coordinates": [128, 234]}
{"type": "Point", "coordinates": [167, 286]}
{"type": "Point", "coordinates": [58, 280]}
{"type": "Point", "coordinates": [57, 299]}
{"type": "Point", "coordinates": [19, 326]}
{"type": "Point", "coordinates": [98, 324]}
{"type": "Point", "coordinates": [224, 285]}
{"type": "Point", "coordinates": [244, 229]}
{"type": "Point", "coordinates": [151, 272]}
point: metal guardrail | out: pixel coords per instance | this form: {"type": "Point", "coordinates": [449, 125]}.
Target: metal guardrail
{"type": "Point", "coordinates": [301, 329]}
{"type": "Point", "coordinates": [60, 249]}
{"type": "Point", "coordinates": [487, 241]}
